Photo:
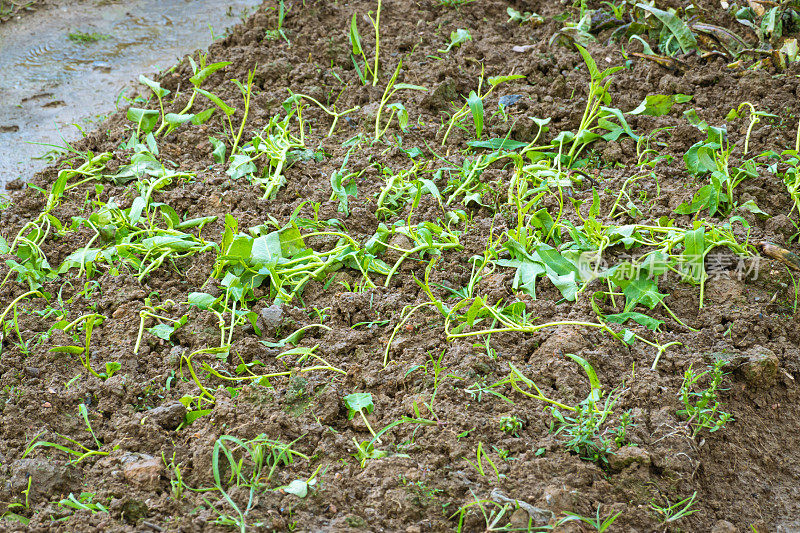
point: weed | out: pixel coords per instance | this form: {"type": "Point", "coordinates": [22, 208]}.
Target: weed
{"type": "Point", "coordinates": [271, 35]}
{"type": "Point", "coordinates": [388, 92]}
{"type": "Point", "coordinates": [511, 425]}
{"type": "Point", "coordinates": [357, 50]}
{"type": "Point", "coordinates": [598, 523]}
{"type": "Point", "coordinates": [83, 502]}
{"type": "Point", "coordinates": [361, 403]}
{"type": "Point", "coordinates": [702, 407]}
{"type": "Point", "coordinates": [673, 512]}
{"type": "Point", "coordinates": [80, 451]}
{"type": "Point", "coordinates": [457, 38]}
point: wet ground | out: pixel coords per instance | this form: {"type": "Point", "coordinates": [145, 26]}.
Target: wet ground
{"type": "Point", "coordinates": [66, 68]}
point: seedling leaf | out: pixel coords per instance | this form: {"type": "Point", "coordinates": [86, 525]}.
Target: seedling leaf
{"type": "Point", "coordinates": [358, 402]}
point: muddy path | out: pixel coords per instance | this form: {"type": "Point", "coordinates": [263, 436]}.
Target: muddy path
{"type": "Point", "coordinates": [389, 324]}
{"type": "Point", "coordinates": [68, 65]}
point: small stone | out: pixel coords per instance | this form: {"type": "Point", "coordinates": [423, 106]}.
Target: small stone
{"type": "Point", "coordinates": [413, 529]}
{"type": "Point", "coordinates": [48, 477]}
{"type": "Point", "coordinates": [520, 519]}
{"type": "Point", "coordinates": [169, 416]}
{"type": "Point", "coordinates": [760, 370]}
{"type": "Point", "coordinates": [47, 405]}
{"type": "Point", "coordinates": [175, 354]}
{"type": "Point", "coordinates": [627, 456]}
{"type": "Point", "coordinates": [723, 526]}
{"type": "Point", "coordinates": [142, 470]}
{"type": "Point", "coordinates": [558, 499]}
{"type": "Point", "coordinates": [271, 318]}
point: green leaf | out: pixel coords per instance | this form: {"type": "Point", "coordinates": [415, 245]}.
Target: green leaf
{"type": "Point", "coordinates": [694, 254]}
{"type": "Point", "coordinates": [145, 119]}
{"type": "Point", "coordinates": [456, 38]}
{"type": "Point", "coordinates": [241, 165]}
{"type": "Point", "coordinates": [355, 38]}
{"type": "Point", "coordinates": [594, 72]}
{"type": "Point", "coordinates": [476, 107]}
{"type": "Point", "coordinates": [676, 26]}
{"type": "Point", "coordinates": [219, 150]}
{"type": "Point", "coordinates": [225, 108]}
{"type": "Point", "coordinates": [590, 372]}
{"type": "Point", "coordinates": [641, 290]}
{"type": "Point", "coordinates": [195, 222]}
{"type": "Point", "coordinates": [72, 350]}
{"type": "Point", "coordinates": [642, 319]}
{"type": "Point", "coordinates": [191, 416]}
{"type": "Point", "coordinates": [112, 367]}
{"type": "Point", "coordinates": [201, 76]}
{"type": "Point", "coordinates": [298, 487]}
{"type": "Point", "coordinates": [358, 402]}
{"type": "Point", "coordinates": [266, 250]}
{"type": "Point", "coordinates": [751, 206]}
{"type": "Point", "coordinates": [201, 299]}
{"type": "Point", "coordinates": [498, 144]}
{"type": "Point", "coordinates": [408, 86]}
{"type": "Point", "coordinates": [203, 116]}
{"type": "Point", "coordinates": [494, 81]}
{"type": "Point", "coordinates": [154, 86]}
{"type": "Point", "coordinates": [162, 331]}
{"type": "Point", "coordinates": [402, 114]}
{"type": "Point", "coordinates": [174, 120]}
{"type": "Point", "coordinates": [657, 105]}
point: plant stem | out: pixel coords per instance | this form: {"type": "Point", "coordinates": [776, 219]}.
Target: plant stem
{"type": "Point", "coordinates": [377, 44]}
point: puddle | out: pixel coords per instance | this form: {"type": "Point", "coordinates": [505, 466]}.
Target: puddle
{"type": "Point", "coordinates": [51, 81]}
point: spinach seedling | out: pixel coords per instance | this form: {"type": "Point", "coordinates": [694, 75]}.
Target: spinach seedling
{"type": "Point", "coordinates": [456, 38]}
{"type": "Point", "coordinates": [359, 402]}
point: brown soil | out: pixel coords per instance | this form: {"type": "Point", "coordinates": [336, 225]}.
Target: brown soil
{"type": "Point", "coordinates": [746, 474]}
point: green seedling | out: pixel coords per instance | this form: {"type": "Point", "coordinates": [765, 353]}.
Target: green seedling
{"type": "Point", "coordinates": [511, 425]}
{"type": "Point", "coordinates": [248, 465]}
{"type": "Point", "coordinates": [388, 92]}
{"type": "Point", "coordinates": [361, 403]}
{"type": "Point", "coordinates": [343, 184]}
{"type": "Point", "coordinates": [272, 145]}
{"type": "Point", "coordinates": [702, 407]}
{"type": "Point", "coordinates": [596, 114]}
{"type": "Point", "coordinates": [271, 35]}
{"type": "Point", "coordinates": [497, 518]}
{"type": "Point", "coordinates": [675, 34]}
{"type": "Point", "coordinates": [246, 90]}
{"type": "Point", "coordinates": [83, 502]}
{"type": "Point", "coordinates": [670, 513]}
{"type": "Point", "coordinates": [296, 99]}
{"type": "Point", "coordinates": [523, 16]}
{"type": "Point", "coordinates": [83, 352]}
{"type": "Point", "coordinates": [480, 456]}
{"type": "Point", "coordinates": [80, 451]}
{"type": "Point", "coordinates": [357, 50]}
{"type": "Point", "coordinates": [712, 157]}
{"type": "Point", "coordinates": [176, 481]}
{"type": "Point", "coordinates": [459, 115]}
{"type": "Point", "coordinates": [598, 523]}
{"type": "Point", "coordinates": [457, 38]}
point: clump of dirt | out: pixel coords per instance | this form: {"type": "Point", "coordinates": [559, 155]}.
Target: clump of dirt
{"type": "Point", "coordinates": [157, 440]}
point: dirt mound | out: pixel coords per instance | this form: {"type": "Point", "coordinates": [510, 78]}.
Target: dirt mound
{"type": "Point", "coordinates": [442, 313]}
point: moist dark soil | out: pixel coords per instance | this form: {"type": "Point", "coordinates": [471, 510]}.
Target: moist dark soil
{"type": "Point", "coordinates": [745, 476]}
